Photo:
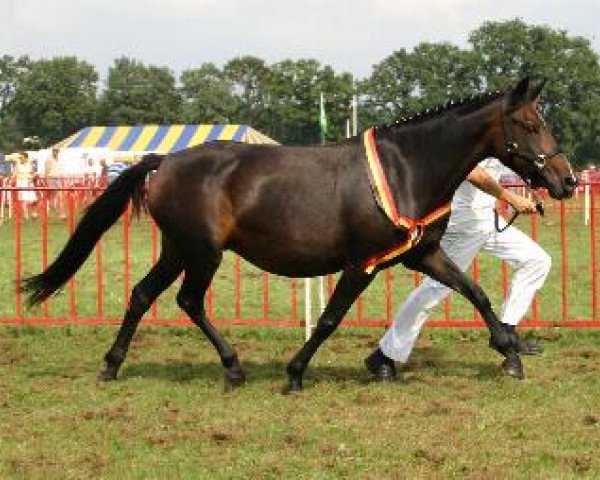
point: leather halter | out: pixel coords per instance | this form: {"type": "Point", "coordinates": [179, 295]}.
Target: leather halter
{"type": "Point", "coordinates": [512, 147]}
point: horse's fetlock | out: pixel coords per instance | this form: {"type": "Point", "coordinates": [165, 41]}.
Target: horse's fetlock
{"type": "Point", "coordinates": [229, 361]}
{"type": "Point", "coordinates": [115, 357]}
{"type": "Point", "coordinates": [500, 341]}
{"type": "Point", "coordinates": [295, 368]}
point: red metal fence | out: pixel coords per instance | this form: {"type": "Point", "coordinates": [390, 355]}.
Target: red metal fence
{"type": "Point", "coordinates": [242, 294]}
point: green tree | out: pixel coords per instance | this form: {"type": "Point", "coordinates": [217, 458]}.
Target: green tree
{"type": "Point", "coordinates": [137, 94]}
{"type": "Point", "coordinates": [54, 98]}
{"type": "Point", "coordinates": [207, 96]}
{"type": "Point", "coordinates": [294, 89]}
{"type": "Point", "coordinates": [248, 77]}
{"type": "Point", "coordinates": [406, 82]}
{"type": "Point", "coordinates": [11, 70]}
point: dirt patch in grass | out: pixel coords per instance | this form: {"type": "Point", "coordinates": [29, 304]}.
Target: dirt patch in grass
{"type": "Point", "coordinates": [112, 413]}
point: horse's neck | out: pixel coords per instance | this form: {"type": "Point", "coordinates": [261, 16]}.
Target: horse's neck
{"type": "Point", "coordinates": [443, 153]}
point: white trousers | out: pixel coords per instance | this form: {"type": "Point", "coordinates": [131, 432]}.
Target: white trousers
{"type": "Point", "coordinates": [530, 262]}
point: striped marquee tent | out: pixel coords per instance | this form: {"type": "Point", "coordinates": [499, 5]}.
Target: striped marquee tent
{"type": "Point", "coordinates": [160, 138]}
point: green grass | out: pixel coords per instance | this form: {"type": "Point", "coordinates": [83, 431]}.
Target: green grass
{"type": "Point", "coordinates": [453, 415]}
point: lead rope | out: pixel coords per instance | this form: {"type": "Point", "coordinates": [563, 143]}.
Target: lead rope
{"type": "Point", "coordinates": [538, 206]}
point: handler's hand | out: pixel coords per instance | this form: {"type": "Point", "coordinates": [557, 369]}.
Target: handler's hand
{"type": "Point", "coordinates": [519, 203]}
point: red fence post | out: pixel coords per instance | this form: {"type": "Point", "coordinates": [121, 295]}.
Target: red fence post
{"type": "Point", "coordinates": [294, 287]}
{"type": "Point", "coordinates": [330, 285]}
{"type": "Point", "coordinates": [388, 295]}
{"type": "Point", "coordinates": [71, 224]}
{"type": "Point", "coordinates": [237, 292]}
{"type": "Point", "coordinates": [126, 255]}
{"type": "Point", "coordinates": [594, 252]}
{"type": "Point", "coordinates": [44, 216]}
{"type": "Point", "coordinates": [265, 299]}
{"type": "Point", "coordinates": [99, 291]}
{"type": "Point", "coordinates": [476, 315]}
{"type": "Point", "coordinates": [154, 253]}
{"type": "Point", "coordinates": [359, 309]}
{"type": "Point", "coordinates": [17, 213]}
{"type": "Point", "coordinates": [535, 306]}
{"type": "Point", "coordinates": [564, 262]}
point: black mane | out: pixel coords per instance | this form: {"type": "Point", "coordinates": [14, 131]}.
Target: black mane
{"type": "Point", "coordinates": [466, 104]}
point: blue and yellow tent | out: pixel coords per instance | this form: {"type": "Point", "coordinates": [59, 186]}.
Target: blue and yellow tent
{"type": "Point", "coordinates": [160, 138]}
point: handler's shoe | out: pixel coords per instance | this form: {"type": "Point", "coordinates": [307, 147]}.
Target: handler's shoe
{"type": "Point", "coordinates": [382, 367]}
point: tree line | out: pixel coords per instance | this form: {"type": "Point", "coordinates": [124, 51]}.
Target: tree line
{"type": "Point", "coordinates": [53, 98]}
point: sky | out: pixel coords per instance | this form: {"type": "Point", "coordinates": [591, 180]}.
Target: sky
{"type": "Point", "coordinates": [349, 35]}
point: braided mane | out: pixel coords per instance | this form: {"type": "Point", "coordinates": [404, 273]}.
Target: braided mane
{"type": "Point", "coordinates": [467, 104]}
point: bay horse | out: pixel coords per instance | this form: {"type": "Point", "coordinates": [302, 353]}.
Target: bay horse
{"type": "Point", "coordinates": [306, 211]}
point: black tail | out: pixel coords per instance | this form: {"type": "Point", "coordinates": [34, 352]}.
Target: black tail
{"type": "Point", "coordinates": [97, 219]}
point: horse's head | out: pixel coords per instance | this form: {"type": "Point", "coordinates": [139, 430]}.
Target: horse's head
{"type": "Point", "coordinates": [529, 148]}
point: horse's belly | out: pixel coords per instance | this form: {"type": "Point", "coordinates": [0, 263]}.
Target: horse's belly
{"type": "Point", "coordinates": [299, 260]}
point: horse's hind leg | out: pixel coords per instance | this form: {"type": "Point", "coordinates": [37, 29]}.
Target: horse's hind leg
{"type": "Point", "coordinates": [198, 275]}
{"type": "Point", "coordinates": [160, 276]}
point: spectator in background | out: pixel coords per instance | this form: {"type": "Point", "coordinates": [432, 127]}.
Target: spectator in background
{"type": "Point", "coordinates": [102, 181]}
{"type": "Point", "coordinates": [91, 173]}
{"type": "Point", "coordinates": [52, 181]}
{"type": "Point", "coordinates": [5, 175]}
{"type": "Point", "coordinates": [23, 177]}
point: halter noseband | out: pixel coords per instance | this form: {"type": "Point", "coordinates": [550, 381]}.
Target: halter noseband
{"type": "Point", "coordinates": [539, 161]}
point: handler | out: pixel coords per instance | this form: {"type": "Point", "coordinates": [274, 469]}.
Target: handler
{"type": "Point", "coordinates": [471, 228]}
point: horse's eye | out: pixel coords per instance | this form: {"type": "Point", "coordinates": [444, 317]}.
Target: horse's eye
{"type": "Point", "coordinates": [531, 127]}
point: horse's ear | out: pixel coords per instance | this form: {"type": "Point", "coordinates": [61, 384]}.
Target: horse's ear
{"type": "Point", "coordinates": [536, 89]}
{"type": "Point", "coordinates": [518, 95]}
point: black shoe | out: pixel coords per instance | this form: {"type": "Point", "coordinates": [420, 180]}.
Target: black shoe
{"type": "Point", "coordinates": [382, 367]}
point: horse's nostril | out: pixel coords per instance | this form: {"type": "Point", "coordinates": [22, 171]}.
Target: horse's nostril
{"type": "Point", "coordinates": [571, 181]}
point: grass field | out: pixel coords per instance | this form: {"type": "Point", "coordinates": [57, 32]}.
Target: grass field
{"type": "Point", "coordinates": [453, 415]}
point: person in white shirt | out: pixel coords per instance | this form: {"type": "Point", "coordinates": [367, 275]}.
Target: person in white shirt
{"type": "Point", "coordinates": [471, 228]}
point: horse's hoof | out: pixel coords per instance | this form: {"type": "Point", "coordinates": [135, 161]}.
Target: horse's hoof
{"type": "Point", "coordinates": [294, 386]}
{"type": "Point", "coordinates": [513, 367]}
{"type": "Point", "coordinates": [234, 377]}
{"type": "Point", "coordinates": [107, 376]}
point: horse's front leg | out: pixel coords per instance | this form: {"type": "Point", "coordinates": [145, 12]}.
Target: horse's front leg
{"type": "Point", "coordinates": [440, 267]}
{"type": "Point", "coordinates": [352, 282]}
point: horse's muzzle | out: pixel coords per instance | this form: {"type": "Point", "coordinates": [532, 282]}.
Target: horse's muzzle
{"type": "Point", "coordinates": [570, 184]}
